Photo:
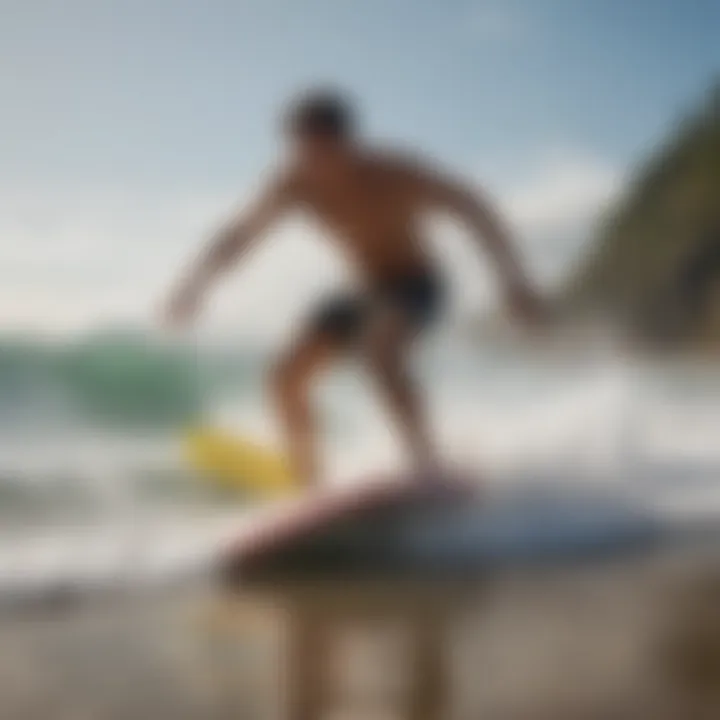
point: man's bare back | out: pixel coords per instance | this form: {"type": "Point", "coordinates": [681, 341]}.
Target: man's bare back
{"type": "Point", "coordinates": [373, 211]}
{"type": "Point", "coordinates": [372, 204]}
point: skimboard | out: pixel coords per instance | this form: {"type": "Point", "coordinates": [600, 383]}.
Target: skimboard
{"type": "Point", "coordinates": [238, 464]}
{"type": "Point", "coordinates": [332, 521]}
{"type": "Point", "coordinates": [399, 528]}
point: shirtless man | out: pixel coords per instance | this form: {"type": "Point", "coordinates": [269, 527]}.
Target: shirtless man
{"type": "Point", "coordinates": [372, 203]}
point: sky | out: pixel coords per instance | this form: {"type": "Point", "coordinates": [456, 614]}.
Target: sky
{"type": "Point", "coordinates": [131, 128]}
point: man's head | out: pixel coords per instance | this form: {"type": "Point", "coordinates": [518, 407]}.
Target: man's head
{"type": "Point", "coordinates": [320, 124]}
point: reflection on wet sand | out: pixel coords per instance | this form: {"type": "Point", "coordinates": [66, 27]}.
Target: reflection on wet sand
{"type": "Point", "coordinates": [634, 639]}
{"type": "Point", "coordinates": [409, 629]}
{"type": "Point", "coordinates": [626, 640]}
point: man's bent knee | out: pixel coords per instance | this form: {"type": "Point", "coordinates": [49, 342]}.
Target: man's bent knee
{"type": "Point", "coordinates": [288, 381]}
{"type": "Point", "coordinates": [385, 356]}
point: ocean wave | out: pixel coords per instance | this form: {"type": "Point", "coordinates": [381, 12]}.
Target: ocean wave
{"type": "Point", "coordinates": [78, 502]}
{"type": "Point", "coordinates": [31, 499]}
{"type": "Point", "coordinates": [111, 380]}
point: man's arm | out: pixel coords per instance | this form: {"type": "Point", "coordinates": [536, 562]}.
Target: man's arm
{"type": "Point", "coordinates": [489, 229]}
{"type": "Point", "coordinates": [227, 246]}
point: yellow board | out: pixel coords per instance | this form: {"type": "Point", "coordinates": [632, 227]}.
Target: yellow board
{"type": "Point", "coordinates": [235, 463]}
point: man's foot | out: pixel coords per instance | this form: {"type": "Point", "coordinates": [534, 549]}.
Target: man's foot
{"type": "Point", "coordinates": [443, 482]}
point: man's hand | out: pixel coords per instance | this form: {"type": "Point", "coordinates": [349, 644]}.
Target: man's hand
{"type": "Point", "coordinates": [183, 306]}
{"type": "Point", "coordinates": [228, 245]}
{"type": "Point", "coordinates": [489, 229]}
{"type": "Point", "coordinates": [526, 305]}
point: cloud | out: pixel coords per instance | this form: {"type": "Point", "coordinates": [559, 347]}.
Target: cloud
{"type": "Point", "coordinates": [552, 209]}
{"type": "Point", "coordinates": [74, 260]}
{"type": "Point", "coordinates": [557, 205]}
{"type": "Point", "coordinates": [565, 190]}
{"type": "Point", "coordinates": [71, 257]}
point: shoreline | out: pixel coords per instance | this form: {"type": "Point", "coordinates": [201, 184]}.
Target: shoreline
{"type": "Point", "coordinates": [630, 633]}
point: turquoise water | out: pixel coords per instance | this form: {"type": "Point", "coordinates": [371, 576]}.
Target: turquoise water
{"type": "Point", "coordinates": [122, 381]}
{"type": "Point", "coordinates": [106, 380]}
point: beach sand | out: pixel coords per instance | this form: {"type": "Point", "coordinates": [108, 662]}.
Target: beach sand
{"type": "Point", "coordinates": [635, 639]}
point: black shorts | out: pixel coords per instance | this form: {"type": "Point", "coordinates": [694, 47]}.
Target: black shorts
{"type": "Point", "coordinates": [417, 295]}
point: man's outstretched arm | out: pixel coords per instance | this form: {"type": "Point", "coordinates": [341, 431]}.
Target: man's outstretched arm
{"type": "Point", "coordinates": [227, 246]}
{"type": "Point", "coordinates": [490, 230]}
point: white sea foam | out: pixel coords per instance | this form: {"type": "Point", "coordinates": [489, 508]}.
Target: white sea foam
{"type": "Point", "coordinates": [93, 507]}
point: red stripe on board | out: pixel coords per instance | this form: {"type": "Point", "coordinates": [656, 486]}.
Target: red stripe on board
{"type": "Point", "coordinates": [312, 512]}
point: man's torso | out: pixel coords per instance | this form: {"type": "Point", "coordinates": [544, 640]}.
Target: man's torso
{"type": "Point", "coordinates": [373, 213]}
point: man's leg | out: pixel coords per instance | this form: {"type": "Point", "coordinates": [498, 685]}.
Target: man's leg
{"type": "Point", "coordinates": [292, 381]}
{"type": "Point", "coordinates": [389, 339]}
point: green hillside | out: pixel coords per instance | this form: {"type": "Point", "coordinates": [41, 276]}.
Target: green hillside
{"type": "Point", "coordinates": [655, 263]}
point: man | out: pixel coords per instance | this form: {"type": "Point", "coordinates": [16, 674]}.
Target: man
{"type": "Point", "coordinates": [372, 203]}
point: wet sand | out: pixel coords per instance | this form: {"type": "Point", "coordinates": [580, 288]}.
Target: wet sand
{"type": "Point", "coordinates": [634, 639]}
